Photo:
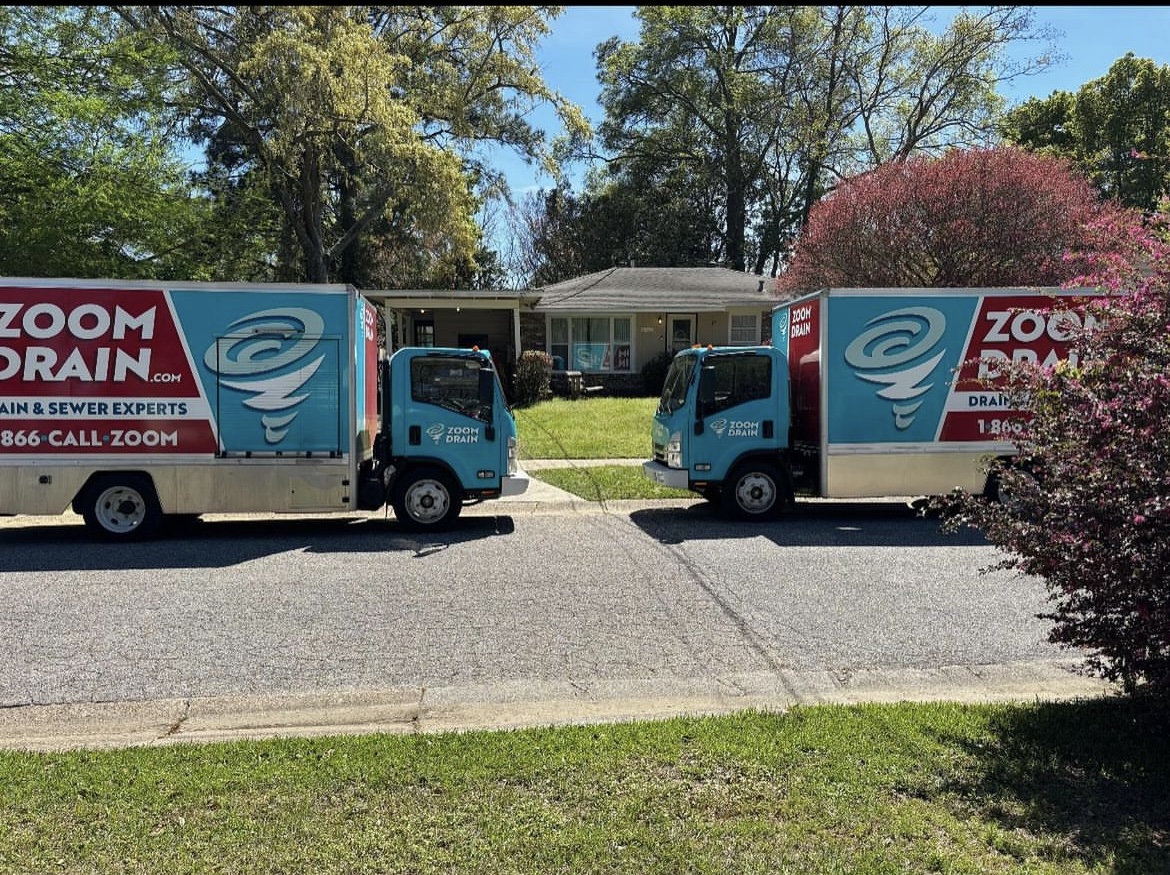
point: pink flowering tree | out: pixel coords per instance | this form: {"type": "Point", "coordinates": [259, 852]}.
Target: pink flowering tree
{"type": "Point", "coordinates": [976, 217]}
{"type": "Point", "coordinates": [1089, 508]}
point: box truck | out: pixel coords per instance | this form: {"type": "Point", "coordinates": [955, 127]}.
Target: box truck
{"type": "Point", "coordinates": [133, 401]}
{"type": "Point", "coordinates": [863, 393]}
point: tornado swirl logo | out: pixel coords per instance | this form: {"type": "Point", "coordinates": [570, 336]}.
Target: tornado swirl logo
{"type": "Point", "coordinates": [268, 353]}
{"type": "Point", "coordinates": [893, 351]}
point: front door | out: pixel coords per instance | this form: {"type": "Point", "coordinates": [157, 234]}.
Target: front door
{"type": "Point", "coordinates": [682, 332]}
{"type": "Point", "coordinates": [424, 332]}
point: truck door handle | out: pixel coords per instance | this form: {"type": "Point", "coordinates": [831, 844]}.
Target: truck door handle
{"type": "Point", "coordinates": [414, 435]}
{"type": "Point", "coordinates": [767, 429]}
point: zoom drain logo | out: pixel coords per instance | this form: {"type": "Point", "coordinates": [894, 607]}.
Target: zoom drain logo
{"type": "Point", "coordinates": [735, 428]}
{"type": "Point", "coordinates": [895, 350]}
{"type": "Point", "coordinates": [269, 356]}
{"type": "Point", "coordinates": [454, 434]}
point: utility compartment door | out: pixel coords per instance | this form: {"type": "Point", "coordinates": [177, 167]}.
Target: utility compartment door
{"type": "Point", "coordinates": [294, 410]}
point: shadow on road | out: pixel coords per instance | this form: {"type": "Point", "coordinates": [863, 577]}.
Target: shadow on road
{"type": "Point", "coordinates": [218, 543]}
{"type": "Point", "coordinates": [809, 524]}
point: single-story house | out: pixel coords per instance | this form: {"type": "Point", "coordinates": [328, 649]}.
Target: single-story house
{"type": "Point", "coordinates": [454, 317]}
{"type": "Point", "coordinates": [606, 325]}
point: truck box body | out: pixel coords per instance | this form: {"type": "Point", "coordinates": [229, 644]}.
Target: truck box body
{"type": "Point", "coordinates": [879, 403]}
{"type": "Point", "coordinates": [230, 398]}
{"type": "Point", "coordinates": [864, 393]}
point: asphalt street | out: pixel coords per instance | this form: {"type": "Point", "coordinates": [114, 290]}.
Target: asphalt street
{"type": "Point", "coordinates": [470, 703]}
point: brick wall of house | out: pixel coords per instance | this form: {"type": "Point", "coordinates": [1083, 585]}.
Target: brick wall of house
{"type": "Point", "coordinates": [532, 331]}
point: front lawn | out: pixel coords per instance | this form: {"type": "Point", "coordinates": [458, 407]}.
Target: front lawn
{"type": "Point", "coordinates": [1044, 789]}
{"type": "Point", "coordinates": [608, 483]}
{"type": "Point", "coordinates": [588, 428]}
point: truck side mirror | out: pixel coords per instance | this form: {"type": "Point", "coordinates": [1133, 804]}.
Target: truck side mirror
{"type": "Point", "coordinates": [487, 399]}
{"type": "Point", "coordinates": [384, 391]}
{"type": "Point", "coordinates": [706, 396]}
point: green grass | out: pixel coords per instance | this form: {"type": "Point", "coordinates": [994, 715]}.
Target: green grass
{"type": "Point", "coordinates": [1064, 788]}
{"type": "Point", "coordinates": [592, 428]}
{"type": "Point", "coordinates": [588, 428]}
{"type": "Point", "coordinates": [608, 483]}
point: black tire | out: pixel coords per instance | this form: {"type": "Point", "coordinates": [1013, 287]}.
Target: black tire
{"type": "Point", "coordinates": [426, 499]}
{"type": "Point", "coordinates": [121, 507]}
{"type": "Point", "coordinates": [997, 492]}
{"type": "Point", "coordinates": [755, 491]}
{"type": "Point", "coordinates": [180, 523]}
{"type": "Point", "coordinates": [993, 491]}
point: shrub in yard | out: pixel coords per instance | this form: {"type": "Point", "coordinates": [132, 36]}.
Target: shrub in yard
{"type": "Point", "coordinates": [1090, 491]}
{"type": "Point", "coordinates": [1000, 216]}
{"type": "Point", "coordinates": [654, 373]}
{"type": "Point", "coordinates": [533, 380]}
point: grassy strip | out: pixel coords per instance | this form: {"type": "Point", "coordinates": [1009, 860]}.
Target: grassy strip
{"type": "Point", "coordinates": [608, 483]}
{"type": "Point", "coordinates": [588, 428]}
{"type": "Point", "coordinates": [1065, 788]}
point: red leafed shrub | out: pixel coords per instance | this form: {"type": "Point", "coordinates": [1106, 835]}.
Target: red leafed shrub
{"type": "Point", "coordinates": [985, 217]}
{"type": "Point", "coordinates": [1090, 508]}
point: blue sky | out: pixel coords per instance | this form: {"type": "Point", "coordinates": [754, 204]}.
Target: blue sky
{"type": "Point", "coordinates": [1094, 37]}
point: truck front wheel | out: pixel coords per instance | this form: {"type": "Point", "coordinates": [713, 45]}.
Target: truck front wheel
{"type": "Point", "coordinates": [755, 491]}
{"type": "Point", "coordinates": [426, 498]}
{"type": "Point", "coordinates": [121, 507]}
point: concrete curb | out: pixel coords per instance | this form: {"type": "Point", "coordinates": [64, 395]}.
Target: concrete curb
{"type": "Point", "coordinates": [520, 704]}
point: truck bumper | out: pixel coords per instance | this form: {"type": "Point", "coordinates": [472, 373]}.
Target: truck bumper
{"type": "Point", "coordinates": [675, 478]}
{"type": "Point", "coordinates": [514, 484]}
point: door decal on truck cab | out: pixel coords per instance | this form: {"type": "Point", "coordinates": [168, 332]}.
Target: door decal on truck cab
{"type": "Point", "coordinates": [735, 428]}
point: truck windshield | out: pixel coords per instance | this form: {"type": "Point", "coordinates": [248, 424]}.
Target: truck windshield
{"type": "Point", "coordinates": [451, 382]}
{"type": "Point", "coordinates": [674, 388]}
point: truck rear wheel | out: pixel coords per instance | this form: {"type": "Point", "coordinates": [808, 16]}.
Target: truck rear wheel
{"type": "Point", "coordinates": [755, 491]}
{"type": "Point", "coordinates": [427, 498]}
{"type": "Point", "coordinates": [121, 507]}
{"type": "Point", "coordinates": [996, 491]}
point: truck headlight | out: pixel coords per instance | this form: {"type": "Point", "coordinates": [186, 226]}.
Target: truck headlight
{"type": "Point", "coordinates": [674, 451]}
{"type": "Point", "coordinates": [513, 462]}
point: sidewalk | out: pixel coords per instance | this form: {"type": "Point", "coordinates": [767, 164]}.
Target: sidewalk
{"type": "Point", "coordinates": [541, 493]}
{"type": "Point", "coordinates": [519, 704]}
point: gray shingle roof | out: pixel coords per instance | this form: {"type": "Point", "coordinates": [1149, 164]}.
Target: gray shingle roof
{"type": "Point", "coordinates": [658, 289]}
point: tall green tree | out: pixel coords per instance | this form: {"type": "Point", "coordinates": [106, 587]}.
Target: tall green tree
{"type": "Point", "coordinates": [90, 184]}
{"type": "Point", "coordinates": [774, 104]}
{"type": "Point", "coordinates": [1115, 129]}
{"type": "Point", "coordinates": [361, 124]}
{"type": "Point", "coordinates": [777, 103]}
{"type": "Point", "coordinates": [565, 234]}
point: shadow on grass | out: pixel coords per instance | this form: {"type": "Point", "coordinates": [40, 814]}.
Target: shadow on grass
{"type": "Point", "coordinates": [1096, 772]}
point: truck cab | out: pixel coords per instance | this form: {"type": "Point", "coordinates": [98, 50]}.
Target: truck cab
{"type": "Point", "coordinates": [447, 437]}
{"type": "Point", "coordinates": [721, 429]}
